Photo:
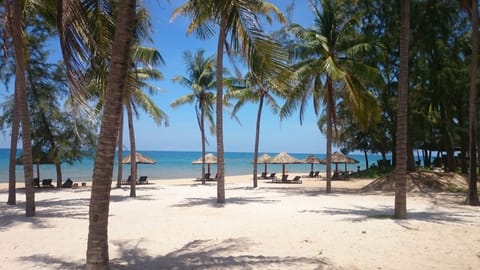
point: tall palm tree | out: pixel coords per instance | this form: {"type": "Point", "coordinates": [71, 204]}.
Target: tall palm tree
{"type": "Point", "coordinates": [328, 67]}
{"type": "Point", "coordinates": [472, 7]}
{"type": "Point", "coordinates": [201, 79]}
{"type": "Point", "coordinates": [402, 105]}
{"type": "Point", "coordinates": [97, 247]}
{"type": "Point", "coordinates": [15, 10]}
{"type": "Point", "coordinates": [254, 90]}
{"type": "Point", "coordinates": [142, 69]}
{"type": "Point", "coordinates": [237, 20]}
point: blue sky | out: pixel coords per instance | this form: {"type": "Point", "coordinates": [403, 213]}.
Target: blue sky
{"type": "Point", "coordinates": [183, 134]}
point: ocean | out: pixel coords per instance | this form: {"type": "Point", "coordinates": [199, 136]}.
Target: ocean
{"type": "Point", "coordinates": [177, 164]}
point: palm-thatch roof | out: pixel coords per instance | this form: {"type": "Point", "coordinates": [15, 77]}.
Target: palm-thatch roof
{"type": "Point", "coordinates": [209, 159]}
{"type": "Point", "coordinates": [284, 158]}
{"type": "Point", "coordinates": [140, 159]}
{"type": "Point", "coordinates": [341, 158]}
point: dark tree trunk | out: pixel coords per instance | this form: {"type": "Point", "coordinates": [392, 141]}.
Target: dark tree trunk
{"type": "Point", "coordinates": [472, 188]}
{"type": "Point", "coordinates": [402, 117]}
{"type": "Point", "coordinates": [133, 153]}
{"type": "Point", "coordinates": [120, 152]}
{"type": "Point", "coordinates": [16, 18]}
{"type": "Point", "coordinates": [12, 178]}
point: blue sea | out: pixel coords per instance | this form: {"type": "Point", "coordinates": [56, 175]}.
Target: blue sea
{"type": "Point", "coordinates": [176, 164]}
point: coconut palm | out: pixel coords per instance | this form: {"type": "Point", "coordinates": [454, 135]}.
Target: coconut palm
{"type": "Point", "coordinates": [402, 105]}
{"type": "Point", "coordinates": [237, 20]}
{"type": "Point", "coordinates": [472, 7]}
{"type": "Point", "coordinates": [16, 11]}
{"type": "Point", "coordinates": [97, 245]}
{"type": "Point", "coordinates": [328, 67]}
{"type": "Point", "coordinates": [201, 79]}
{"type": "Point", "coordinates": [135, 97]}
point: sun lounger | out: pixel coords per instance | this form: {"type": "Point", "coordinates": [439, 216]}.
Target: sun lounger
{"type": "Point", "coordinates": [285, 180]}
{"type": "Point", "coordinates": [47, 183]}
{"type": "Point", "coordinates": [142, 180]}
{"type": "Point", "coordinates": [36, 183]}
{"type": "Point", "coordinates": [68, 183]}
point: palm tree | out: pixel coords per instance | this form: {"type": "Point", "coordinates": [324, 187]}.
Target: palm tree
{"type": "Point", "coordinates": [97, 247]}
{"type": "Point", "coordinates": [15, 10]}
{"type": "Point", "coordinates": [472, 7]}
{"type": "Point", "coordinates": [329, 67]}
{"type": "Point", "coordinates": [254, 90]}
{"type": "Point", "coordinates": [402, 105]}
{"type": "Point", "coordinates": [201, 79]}
{"type": "Point", "coordinates": [238, 20]}
{"type": "Point", "coordinates": [136, 97]}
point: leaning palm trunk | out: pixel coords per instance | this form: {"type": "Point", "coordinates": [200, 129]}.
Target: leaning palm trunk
{"type": "Point", "coordinates": [133, 153]}
{"type": "Point", "coordinates": [12, 193]}
{"type": "Point", "coordinates": [400, 173]}
{"type": "Point", "coordinates": [219, 114]}
{"type": "Point", "coordinates": [120, 152]}
{"type": "Point", "coordinates": [97, 248]}
{"type": "Point", "coordinates": [21, 93]}
{"type": "Point", "coordinates": [472, 189]}
{"type": "Point", "coordinates": [257, 139]}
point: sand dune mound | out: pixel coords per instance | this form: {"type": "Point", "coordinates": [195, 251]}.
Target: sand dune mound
{"type": "Point", "coordinates": [422, 181]}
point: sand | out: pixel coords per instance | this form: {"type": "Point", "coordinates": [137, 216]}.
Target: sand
{"type": "Point", "coordinates": [176, 224]}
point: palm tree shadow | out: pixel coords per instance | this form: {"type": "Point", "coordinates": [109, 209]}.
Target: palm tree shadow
{"type": "Point", "coordinates": [188, 202]}
{"type": "Point", "coordinates": [360, 214]}
{"type": "Point", "coordinates": [197, 254]}
{"type": "Point", "coordinates": [209, 254]}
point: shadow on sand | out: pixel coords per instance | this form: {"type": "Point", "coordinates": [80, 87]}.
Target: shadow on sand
{"type": "Point", "coordinates": [197, 254]}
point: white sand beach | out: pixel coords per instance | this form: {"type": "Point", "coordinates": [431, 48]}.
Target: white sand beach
{"type": "Point", "coordinates": [176, 224]}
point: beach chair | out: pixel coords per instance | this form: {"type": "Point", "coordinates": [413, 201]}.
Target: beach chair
{"type": "Point", "coordinates": [47, 182]}
{"type": "Point", "coordinates": [311, 174]}
{"type": "Point", "coordinates": [272, 176]}
{"type": "Point", "coordinates": [295, 180]}
{"type": "Point", "coordinates": [142, 180]}
{"type": "Point", "coordinates": [36, 183]}
{"type": "Point", "coordinates": [317, 174]}
{"type": "Point", "coordinates": [283, 180]}
{"type": "Point", "coordinates": [263, 175]}
{"type": "Point", "coordinates": [68, 183]}
{"type": "Point", "coordinates": [128, 182]}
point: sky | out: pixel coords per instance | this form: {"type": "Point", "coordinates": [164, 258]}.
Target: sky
{"type": "Point", "coordinates": [183, 134]}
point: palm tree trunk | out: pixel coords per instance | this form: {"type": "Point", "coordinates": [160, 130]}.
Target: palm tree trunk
{"type": "Point", "coordinates": [402, 125]}
{"type": "Point", "coordinates": [12, 178]}
{"type": "Point", "coordinates": [219, 114]}
{"type": "Point", "coordinates": [202, 133]}
{"type": "Point", "coordinates": [97, 246]}
{"type": "Point", "coordinates": [257, 139]}
{"type": "Point", "coordinates": [330, 109]}
{"type": "Point", "coordinates": [472, 188]}
{"type": "Point", "coordinates": [16, 17]}
{"type": "Point", "coordinates": [133, 152]}
{"type": "Point", "coordinates": [120, 152]}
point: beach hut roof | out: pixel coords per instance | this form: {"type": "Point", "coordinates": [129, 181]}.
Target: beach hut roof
{"type": "Point", "coordinates": [265, 158]}
{"type": "Point", "coordinates": [313, 159]}
{"type": "Point", "coordinates": [209, 159]}
{"type": "Point", "coordinates": [283, 158]}
{"type": "Point", "coordinates": [341, 158]}
{"type": "Point", "coordinates": [140, 159]}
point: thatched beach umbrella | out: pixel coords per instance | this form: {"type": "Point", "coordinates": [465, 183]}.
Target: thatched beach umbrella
{"type": "Point", "coordinates": [284, 158]}
{"type": "Point", "coordinates": [38, 158]}
{"type": "Point", "coordinates": [341, 158]}
{"type": "Point", "coordinates": [312, 159]}
{"type": "Point", "coordinates": [140, 159]}
{"type": "Point", "coordinates": [264, 159]}
{"type": "Point", "coordinates": [209, 159]}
